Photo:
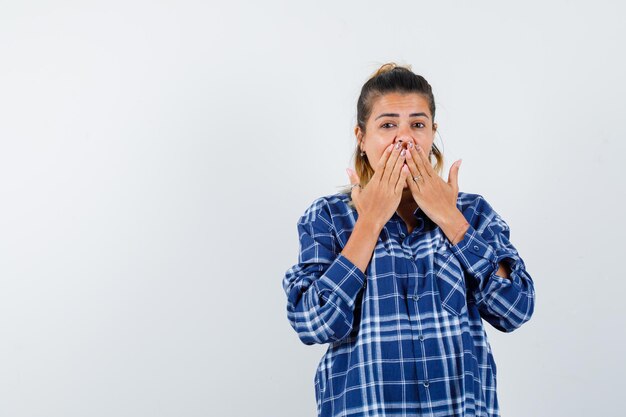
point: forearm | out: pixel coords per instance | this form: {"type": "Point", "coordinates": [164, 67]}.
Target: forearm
{"type": "Point", "coordinates": [362, 241]}
{"type": "Point", "coordinates": [504, 301]}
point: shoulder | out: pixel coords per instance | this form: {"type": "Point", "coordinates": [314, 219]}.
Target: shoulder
{"type": "Point", "coordinates": [327, 209]}
{"type": "Point", "coordinates": [479, 212]}
{"type": "Point", "coordinates": [476, 203]}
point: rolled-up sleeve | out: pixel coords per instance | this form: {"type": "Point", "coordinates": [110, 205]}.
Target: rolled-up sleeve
{"type": "Point", "coordinates": [506, 303]}
{"type": "Point", "coordinates": [323, 287]}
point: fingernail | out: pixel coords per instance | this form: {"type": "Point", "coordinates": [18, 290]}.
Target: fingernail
{"type": "Point", "coordinates": [403, 152]}
{"type": "Point", "coordinates": [410, 144]}
{"type": "Point", "coordinates": [398, 145]}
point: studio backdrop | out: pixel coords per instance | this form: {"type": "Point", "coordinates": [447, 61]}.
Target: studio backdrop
{"type": "Point", "coordinates": [155, 158]}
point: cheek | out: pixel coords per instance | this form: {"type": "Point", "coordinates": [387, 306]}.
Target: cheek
{"type": "Point", "coordinates": [374, 160]}
{"type": "Point", "coordinates": [375, 153]}
{"type": "Point", "coordinates": [424, 137]}
{"type": "Point", "coordinates": [425, 142]}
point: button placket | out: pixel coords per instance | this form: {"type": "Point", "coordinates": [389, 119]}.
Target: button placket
{"type": "Point", "coordinates": [417, 340]}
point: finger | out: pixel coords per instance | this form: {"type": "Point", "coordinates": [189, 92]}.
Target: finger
{"type": "Point", "coordinates": [404, 175]}
{"type": "Point", "coordinates": [353, 176]}
{"type": "Point", "coordinates": [354, 180]}
{"type": "Point", "coordinates": [413, 185]}
{"type": "Point", "coordinates": [453, 177]}
{"type": "Point", "coordinates": [417, 160]}
{"type": "Point", "coordinates": [395, 173]}
{"type": "Point", "coordinates": [411, 163]}
{"type": "Point", "coordinates": [423, 163]}
{"type": "Point", "coordinates": [391, 163]}
{"type": "Point", "coordinates": [382, 162]}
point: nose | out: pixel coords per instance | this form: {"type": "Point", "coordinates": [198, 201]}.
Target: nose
{"type": "Point", "coordinates": [404, 140]}
{"type": "Point", "coordinates": [404, 132]}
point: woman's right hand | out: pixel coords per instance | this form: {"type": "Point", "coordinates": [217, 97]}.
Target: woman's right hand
{"type": "Point", "coordinates": [379, 199]}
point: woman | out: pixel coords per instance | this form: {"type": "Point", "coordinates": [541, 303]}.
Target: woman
{"type": "Point", "coordinates": [397, 273]}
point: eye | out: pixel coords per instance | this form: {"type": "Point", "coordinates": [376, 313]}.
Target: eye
{"type": "Point", "coordinates": [386, 124]}
{"type": "Point", "coordinates": [420, 124]}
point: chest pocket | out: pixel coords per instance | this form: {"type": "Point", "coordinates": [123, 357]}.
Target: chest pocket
{"type": "Point", "coordinates": [449, 277]}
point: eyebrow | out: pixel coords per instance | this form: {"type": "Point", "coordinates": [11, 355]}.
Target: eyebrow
{"type": "Point", "coordinates": [397, 115]}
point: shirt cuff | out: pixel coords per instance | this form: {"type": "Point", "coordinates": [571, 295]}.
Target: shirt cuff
{"type": "Point", "coordinates": [342, 278]}
{"type": "Point", "coordinates": [480, 259]}
{"type": "Point", "coordinates": [475, 254]}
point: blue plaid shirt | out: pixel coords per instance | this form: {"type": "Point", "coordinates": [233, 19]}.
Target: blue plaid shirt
{"type": "Point", "coordinates": [407, 337]}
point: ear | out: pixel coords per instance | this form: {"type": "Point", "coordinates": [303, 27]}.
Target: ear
{"type": "Point", "coordinates": [358, 133]}
{"type": "Point", "coordinates": [434, 127]}
{"type": "Point", "coordinates": [359, 136]}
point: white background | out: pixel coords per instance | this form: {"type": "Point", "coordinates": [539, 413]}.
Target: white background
{"type": "Point", "coordinates": [155, 157]}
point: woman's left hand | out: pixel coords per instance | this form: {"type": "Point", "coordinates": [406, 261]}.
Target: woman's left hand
{"type": "Point", "coordinates": [432, 194]}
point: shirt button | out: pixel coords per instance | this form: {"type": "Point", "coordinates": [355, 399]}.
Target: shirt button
{"type": "Point", "coordinates": [416, 297]}
{"type": "Point", "coordinates": [364, 283]}
{"type": "Point", "coordinates": [421, 337]}
{"type": "Point", "coordinates": [426, 384]}
{"type": "Point", "coordinates": [402, 235]}
{"type": "Point", "coordinates": [476, 247]}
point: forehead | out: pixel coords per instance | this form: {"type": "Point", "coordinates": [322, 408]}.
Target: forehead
{"type": "Point", "coordinates": [401, 103]}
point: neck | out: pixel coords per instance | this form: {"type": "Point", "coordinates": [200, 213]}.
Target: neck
{"type": "Point", "coordinates": [407, 203]}
{"type": "Point", "coordinates": [406, 208]}
{"type": "Point", "coordinates": [407, 197]}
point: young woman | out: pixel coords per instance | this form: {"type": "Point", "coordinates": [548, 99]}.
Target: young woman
{"type": "Point", "coordinates": [397, 273]}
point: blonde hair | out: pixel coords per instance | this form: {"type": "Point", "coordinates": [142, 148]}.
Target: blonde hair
{"type": "Point", "coordinates": [389, 78]}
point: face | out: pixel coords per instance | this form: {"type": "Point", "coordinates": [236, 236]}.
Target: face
{"type": "Point", "coordinates": [397, 117]}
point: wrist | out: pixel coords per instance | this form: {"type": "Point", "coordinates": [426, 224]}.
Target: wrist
{"type": "Point", "coordinates": [367, 223]}
{"type": "Point", "coordinates": [454, 227]}
{"type": "Point", "coordinates": [459, 235]}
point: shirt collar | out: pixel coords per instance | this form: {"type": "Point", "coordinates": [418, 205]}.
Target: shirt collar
{"type": "Point", "coordinates": [424, 219]}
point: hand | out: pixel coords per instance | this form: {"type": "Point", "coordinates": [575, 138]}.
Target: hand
{"type": "Point", "coordinates": [379, 199]}
{"type": "Point", "coordinates": [432, 194]}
